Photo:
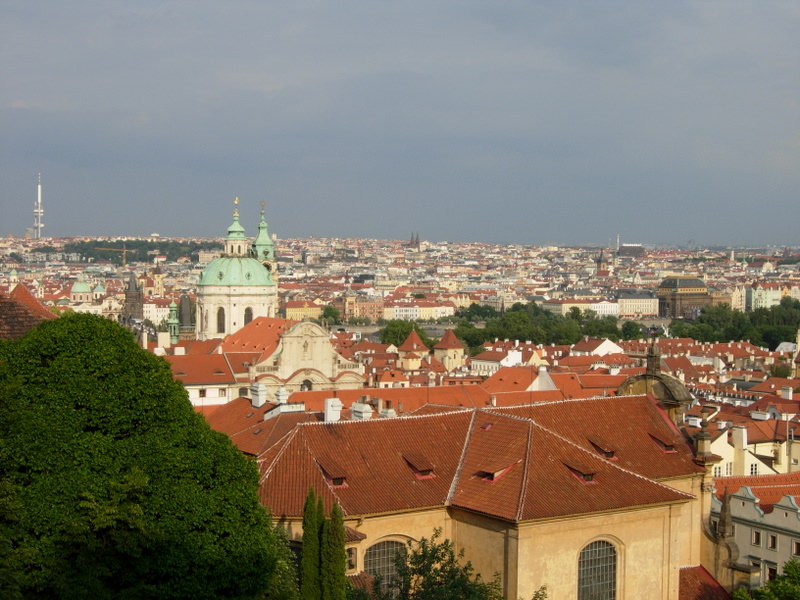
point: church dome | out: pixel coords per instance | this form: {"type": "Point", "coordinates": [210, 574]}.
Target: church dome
{"type": "Point", "coordinates": [80, 287]}
{"type": "Point", "coordinates": [235, 271]}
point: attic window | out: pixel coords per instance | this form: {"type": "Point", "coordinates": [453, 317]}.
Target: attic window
{"type": "Point", "coordinates": [486, 426]}
{"type": "Point", "coordinates": [604, 448]}
{"type": "Point", "coordinates": [257, 431]}
{"type": "Point", "coordinates": [334, 473]}
{"type": "Point", "coordinates": [665, 445]}
{"type": "Point", "coordinates": [494, 473]}
{"type": "Point", "coordinates": [581, 471]}
{"type": "Point", "coordinates": [420, 465]}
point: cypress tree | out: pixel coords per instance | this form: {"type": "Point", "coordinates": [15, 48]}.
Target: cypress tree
{"type": "Point", "coordinates": [334, 557]}
{"type": "Point", "coordinates": [310, 561]}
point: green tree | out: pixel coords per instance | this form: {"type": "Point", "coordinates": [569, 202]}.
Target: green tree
{"type": "Point", "coordinates": [330, 315]}
{"type": "Point", "coordinates": [112, 486]}
{"type": "Point", "coordinates": [783, 587]}
{"type": "Point", "coordinates": [310, 585]}
{"type": "Point", "coordinates": [334, 559]}
{"type": "Point", "coordinates": [431, 570]}
{"type": "Point", "coordinates": [396, 332]}
{"type": "Point", "coordinates": [631, 330]}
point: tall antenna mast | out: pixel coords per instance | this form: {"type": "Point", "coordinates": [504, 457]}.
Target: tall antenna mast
{"type": "Point", "coordinates": [38, 211]}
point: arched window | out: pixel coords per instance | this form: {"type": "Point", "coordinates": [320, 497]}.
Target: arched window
{"type": "Point", "coordinates": [248, 315]}
{"type": "Point", "coordinates": [597, 572]}
{"type": "Point", "coordinates": [220, 320]}
{"type": "Point", "coordinates": [379, 560]}
{"type": "Point", "coordinates": [306, 386]}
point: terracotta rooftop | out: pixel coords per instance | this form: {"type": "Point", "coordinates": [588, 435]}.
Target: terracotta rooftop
{"type": "Point", "coordinates": [515, 464]}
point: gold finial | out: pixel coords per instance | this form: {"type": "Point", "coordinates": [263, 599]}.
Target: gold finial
{"type": "Point", "coordinates": [236, 207]}
{"type": "Point", "coordinates": [263, 204]}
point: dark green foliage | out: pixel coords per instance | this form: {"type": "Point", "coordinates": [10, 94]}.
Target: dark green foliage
{"type": "Point", "coordinates": [283, 583]}
{"type": "Point", "coordinates": [137, 250]}
{"type": "Point", "coordinates": [330, 315]}
{"type": "Point", "coordinates": [397, 331]}
{"type": "Point", "coordinates": [763, 327]}
{"type": "Point", "coordinates": [784, 587]}
{"type": "Point", "coordinates": [310, 585]}
{"type": "Point", "coordinates": [477, 312]}
{"type": "Point", "coordinates": [431, 570]}
{"type": "Point", "coordinates": [111, 486]}
{"type": "Point", "coordinates": [631, 330]}
{"type": "Point", "coordinates": [334, 559]}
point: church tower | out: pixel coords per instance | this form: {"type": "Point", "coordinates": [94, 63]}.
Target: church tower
{"type": "Point", "coordinates": [237, 287]}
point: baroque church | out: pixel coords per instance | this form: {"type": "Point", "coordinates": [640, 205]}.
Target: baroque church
{"type": "Point", "coordinates": [240, 285]}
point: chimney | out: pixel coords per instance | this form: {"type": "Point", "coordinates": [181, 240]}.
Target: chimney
{"type": "Point", "coordinates": [360, 411]}
{"type": "Point", "coordinates": [282, 395]}
{"type": "Point", "coordinates": [333, 409]}
{"type": "Point", "coordinates": [258, 393]}
{"type": "Point", "coordinates": [786, 392]}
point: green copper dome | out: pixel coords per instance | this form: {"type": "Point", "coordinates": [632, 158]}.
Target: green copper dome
{"type": "Point", "coordinates": [262, 245]}
{"type": "Point", "coordinates": [81, 287]}
{"type": "Point", "coordinates": [235, 270]}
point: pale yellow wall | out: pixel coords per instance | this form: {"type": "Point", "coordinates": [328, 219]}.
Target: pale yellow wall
{"type": "Point", "coordinates": [649, 543]}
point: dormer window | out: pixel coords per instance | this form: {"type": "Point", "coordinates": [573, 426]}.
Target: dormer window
{"type": "Point", "coordinates": [334, 473]}
{"type": "Point", "coordinates": [493, 473]}
{"type": "Point", "coordinates": [582, 472]}
{"type": "Point", "coordinates": [602, 447]}
{"type": "Point", "coordinates": [665, 445]}
{"type": "Point", "coordinates": [420, 465]}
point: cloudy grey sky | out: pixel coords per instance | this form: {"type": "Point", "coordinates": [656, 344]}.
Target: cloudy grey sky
{"type": "Point", "coordinates": [523, 121]}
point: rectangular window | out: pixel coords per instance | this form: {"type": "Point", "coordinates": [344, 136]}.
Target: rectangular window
{"type": "Point", "coordinates": [756, 538]}
{"type": "Point", "coordinates": [222, 392]}
{"type": "Point", "coordinates": [351, 559]}
{"type": "Point", "coordinates": [754, 469]}
{"type": "Point", "coordinates": [717, 471]}
{"type": "Point", "coordinates": [201, 393]}
{"type": "Point", "coordinates": [772, 542]}
{"type": "Point", "coordinates": [728, 469]}
{"type": "Point", "coordinates": [772, 572]}
{"type": "Point", "coordinates": [795, 548]}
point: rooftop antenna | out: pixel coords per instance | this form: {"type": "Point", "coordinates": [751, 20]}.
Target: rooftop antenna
{"type": "Point", "coordinates": [38, 211]}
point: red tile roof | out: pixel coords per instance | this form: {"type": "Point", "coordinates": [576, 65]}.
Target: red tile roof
{"type": "Point", "coordinates": [204, 369]}
{"type": "Point", "coordinates": [769, 489]}
{"type": "Point", "coordinates": [516, 464]}
{"type": "Point", "coordinates": [259, 335]}
{"type": "Point", "coordinates": [696, 583]}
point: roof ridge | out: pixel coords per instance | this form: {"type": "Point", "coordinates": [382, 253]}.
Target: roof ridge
{"type": "Point", "coordinates": [524, 485]}
{"type": "Point", "coordinates": [457, 475]}
{"type": "Point", "coordinates": [288, 439]}
{"type": "Point", "coordinates": [386, 419]}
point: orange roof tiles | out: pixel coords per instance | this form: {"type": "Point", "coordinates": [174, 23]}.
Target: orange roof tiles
{"type": "Point", "coordinates": [517, 464]}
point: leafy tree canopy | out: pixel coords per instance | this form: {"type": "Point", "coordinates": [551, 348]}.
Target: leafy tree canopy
{"type": "Point", "coordinates": [763, 327]}
{"type": "Point", "coordinates": [396, 332]}
{"type": "Point", "coordinates": [431, 570]}
{"type": "Point", "coordinates": [784, 587]}
{"type": "Point", "coordinates": [111, 486]}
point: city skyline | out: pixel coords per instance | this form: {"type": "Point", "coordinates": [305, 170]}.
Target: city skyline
{"type": "Point", "coordinates": [529, 124]}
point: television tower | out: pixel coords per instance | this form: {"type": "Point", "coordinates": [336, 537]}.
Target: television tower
{"type": "Point", "coordinates": [38, 211]}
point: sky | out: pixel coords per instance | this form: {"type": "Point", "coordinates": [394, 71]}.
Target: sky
{"type": "Point", "coordinates": [526, 122]}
